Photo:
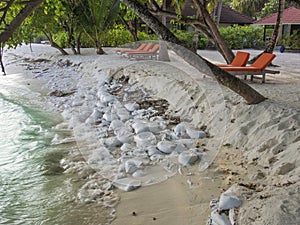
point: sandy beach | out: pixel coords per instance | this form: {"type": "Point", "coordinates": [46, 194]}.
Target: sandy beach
{"type": "Point", "coordinates": [252, 149]}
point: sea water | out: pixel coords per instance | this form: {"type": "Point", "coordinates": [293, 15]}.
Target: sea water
{"type": "Point", "coordinates": [33, 186]}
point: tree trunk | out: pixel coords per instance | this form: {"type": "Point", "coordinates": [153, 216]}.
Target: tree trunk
{"type": "Point", "coordinates": [163, 48]}
{"type": "Point", "coordinates": [249, 94]}
{"type": "Point", "coordinates": [17, 21]}
{"type": "Point", "coordinates": [53, 43]}
{"type": "Point", "coordinates": [1, 59]}
{"type": "Point", "coordinates": [131, 29]}
{"type": "Point", "coordinates": [99, 49]}
{"type": "Point", "coordinates": [274, 39]}
{"type": "Point", "coordinates": [219, 40]}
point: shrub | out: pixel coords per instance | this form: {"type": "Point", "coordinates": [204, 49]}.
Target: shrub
{"type": "Point", "coordinates": [188, 37]}
{"type": "Point", "coordinates": [238, 37]}
{"type": "Point", "coordinates": [292, 41]}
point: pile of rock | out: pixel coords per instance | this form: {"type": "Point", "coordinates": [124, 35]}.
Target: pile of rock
{"type": "Point", "coordinates": [139, 132]}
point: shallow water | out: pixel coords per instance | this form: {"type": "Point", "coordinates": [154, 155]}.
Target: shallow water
{"type": "Point", "coordinates": [33, 187]}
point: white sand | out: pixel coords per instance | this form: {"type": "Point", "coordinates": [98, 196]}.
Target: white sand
{"type": "Point", "coordinates": [257, 144]}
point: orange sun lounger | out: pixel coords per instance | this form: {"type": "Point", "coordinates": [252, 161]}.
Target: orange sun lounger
{"type": "Point", "coordinates": [240, 59]}
{"type": "Point", "coordinates": [142, 47]}
{"type": "Point", "coordinates": [257, 68]}
{"type": "Point", "coordinates": [144, 54]}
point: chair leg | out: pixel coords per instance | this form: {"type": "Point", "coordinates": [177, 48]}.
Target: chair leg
{"type": "Point", "coordinates": [251, 77]}
{"type": "Point", "coordinates": [263, 77]}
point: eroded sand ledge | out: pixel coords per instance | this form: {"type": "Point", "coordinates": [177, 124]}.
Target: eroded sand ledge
{"type": "Point", "coordinates": [260, 149]}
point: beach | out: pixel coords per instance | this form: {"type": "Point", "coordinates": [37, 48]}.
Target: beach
{"type": "Point", "coordinates": [252, 149]}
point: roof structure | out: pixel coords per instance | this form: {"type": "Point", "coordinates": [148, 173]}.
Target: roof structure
{"type": "Point", "coordinates": [290, 16]}
{"type": "Point", "coordinates": [230, 16]}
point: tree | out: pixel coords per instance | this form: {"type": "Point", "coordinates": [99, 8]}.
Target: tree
{"type": "Point", "coordinates": [202, 22]}
{"type": "Point", "coordinates": [98, 17]}
{"type": "Point", "coordinates": [10, 27]}
{"type": "Point", "coordinates": [274, 39]}
{"type": "Point", "coordinates": [249, 94]}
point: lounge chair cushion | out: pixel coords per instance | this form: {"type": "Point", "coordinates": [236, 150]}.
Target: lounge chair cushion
{"type": "Point", "coordinates": [240, 59]}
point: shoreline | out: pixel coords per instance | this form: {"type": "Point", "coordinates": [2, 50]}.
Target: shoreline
{"type": "Point", "coordinates": [249, 138]}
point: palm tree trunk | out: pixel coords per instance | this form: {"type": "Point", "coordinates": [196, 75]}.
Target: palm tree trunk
{"type": "Point", "coordinates": [274, 39]}
{"type": "Point", "coordinates": [272, 43]}
{"type": "Point", "coordinates": [249, 94]}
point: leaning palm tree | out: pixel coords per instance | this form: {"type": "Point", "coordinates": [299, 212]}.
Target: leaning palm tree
{"type": "Point", "coordinates": [98, 17]}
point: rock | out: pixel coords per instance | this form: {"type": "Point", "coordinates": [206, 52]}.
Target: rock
{"type": "Point", "coordinates": [180, 130]}
{"type": "Point", "coordinates": [166, 147]}
{"type": "Point", "coordinates": [123, 114]}
{"type": "Point", "coordinates": [139, 173]}
{"type": "Point", "coordinates": [116, 124]}
{"type": "Point", "coordinates": [195, 134]}
{"type": "Point", "coordinates": [285, 168]}
{"type": "Point", "coordinates": [140, 126]}
{"type": "Point", "coordinates": [112, 142]}
{"type": "Point", "coordinates": [187, 158]}
{"type": "Point", "coordinates": [132, 106]}
{"type": "Point", "coordinates": [145, 139]}
{"type": "Point", "coordinates": [127, 184]}
{"type": "Point", "coordinates": [219, 219]}
{"type": "Point", "coordinates": [152, 150]}
{"type": "Point", "coordinates": [132, 165]}
{"type": "Point", "coordinates": [127, 147]}
{"type": "Point", "coordinates": [228, 201]}
{"type": "Point", "coordinates": [124, 135]}
{"type": "Point", "coordinates": [110, 116]}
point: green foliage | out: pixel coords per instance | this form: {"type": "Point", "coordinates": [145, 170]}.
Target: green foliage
{"type": "Point", "coordinates": [98, 16]}
{"type": "Point", "coordinates": [292, 41]}
{"type": "Point", "coordinates": [188, 37]}
{"type": "Point", "coordinates": [238, 37]}
{"type": "Point", "coordinates": [119, 36]}
{"type": "Point", "coordinates": [269, 8]}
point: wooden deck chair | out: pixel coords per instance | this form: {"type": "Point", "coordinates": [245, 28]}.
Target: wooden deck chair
{"type": "Point", "coordinates": [141, 47]}
{"type": "Point", "coordinates": [257, 68]}
{"type": "Point", "coordinates": [150, 54]}
{"type": "Point", "coordinates": [240, 59]}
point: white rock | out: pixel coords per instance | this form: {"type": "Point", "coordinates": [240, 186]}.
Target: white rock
{"type": "Point", "coordinates": [112, 142]}
{"type": "Point", "coordinates": [180, 129]}
{"type": "Point", "coordinates": [166, 146]}
{"type": "Point", "coordinates": [139, 173]}
{"type": "Point", "coordinates": [127, 147]}
{"type": "Point", "coordinates": [155, 127]}
{"type": "Point", "coordinates": [180, 148]}
{"type": "Point", "coordinates": [132, 165]}
{"type": "Point", "coordinates": [107, 98]}
{"type": "Point", "coordinates": [188, 158]}
{"type": "Point", "coordinates": [140, 126]}
{"type": "Point", "coordinates": [116, 125]}
{"type": "Point", "coordinates": [127, 184]}
{"type": "Point", "coordinates": [152, 150]}
{"type": "Point", "coordinates": [195, 134]}
{"type": "Point", "coordinates": [124, 135]}
{"type": "Point", "coordinates": [145, 139]}
{"type": "Point", "coordinates": [123, 114]}
{"type": "Point", "coordinates": [131, 106]}
{"type": "Point", "coordinates": [228, 201]}
{"type": "Point", "coordinates": [110, 116]}
{"type": "Point", "coordinates": [219, 219]}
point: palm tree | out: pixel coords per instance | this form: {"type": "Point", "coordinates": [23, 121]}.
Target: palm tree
{"type": "Point", "coordinates": [98, 17]}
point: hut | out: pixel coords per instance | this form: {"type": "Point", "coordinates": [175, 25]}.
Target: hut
{"type": "Point", "coordinates": [290, 22]}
